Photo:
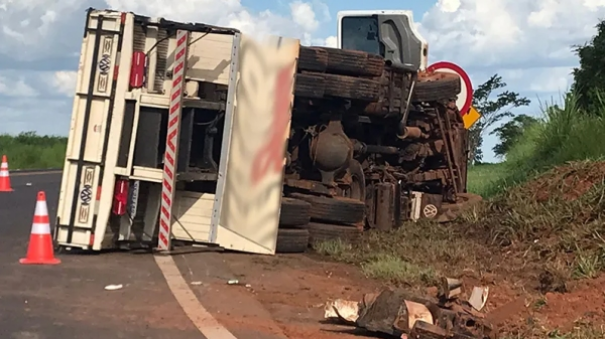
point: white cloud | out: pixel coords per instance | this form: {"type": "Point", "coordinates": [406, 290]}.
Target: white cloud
{"type": "Point", "coordinates": [230, 13]}
{"type": "Point", "coordinates": [48, 84]}
{"type": "Point", "coordinates": [47, 36]}
{"type": "Point", "coordinates": [16, 87]}
{"type": "Point", "coordinates": [331, 41]}
{"type": "Point", "coordinates": [529, 43]}
{"type": "Point", "coordinates": [509, 33]}
{"type": "Point", "coordinates": [304, 16]}
{"type": "Point", "coordinates": [45, 116]}
{"type": "Point", "coordinates": [64, 82]}
{"type": "Point", "coordinates": [31, 29]}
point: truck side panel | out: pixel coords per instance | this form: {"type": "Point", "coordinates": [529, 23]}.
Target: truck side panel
{"type": "Point", "coordinates": [89, 130]}
{"type": "Point", "coordinates": [210, 67]}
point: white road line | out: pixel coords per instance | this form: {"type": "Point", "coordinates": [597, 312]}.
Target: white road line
{"type": "Point", "coordinates": [200, 317]}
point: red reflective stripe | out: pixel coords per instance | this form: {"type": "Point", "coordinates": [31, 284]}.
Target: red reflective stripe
{"type": "Point", "coordinates": [41, 219]}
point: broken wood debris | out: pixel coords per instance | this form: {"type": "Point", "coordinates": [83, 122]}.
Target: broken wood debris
{"type": "Point", "coordinates": [400, 314]}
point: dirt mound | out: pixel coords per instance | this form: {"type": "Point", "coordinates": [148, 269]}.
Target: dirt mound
{"type": "Point", "coordinates": [547, 238]}
{"type": "Point", "coordinates": [567, 182]}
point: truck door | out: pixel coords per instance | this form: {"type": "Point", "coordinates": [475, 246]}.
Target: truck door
{"type": "Point", "coordinates": [249, 188]}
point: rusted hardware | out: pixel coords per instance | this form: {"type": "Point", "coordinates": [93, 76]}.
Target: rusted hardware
{"type": "Point", "coordinates": [386, 117]}
{"type": "Point", "coordinates": [331, 150]}
{"type": "Point", "coordinates": [448, 154]}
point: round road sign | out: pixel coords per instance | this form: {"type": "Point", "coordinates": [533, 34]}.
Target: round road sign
{"type": "Point", "coordinates": [465, 98]}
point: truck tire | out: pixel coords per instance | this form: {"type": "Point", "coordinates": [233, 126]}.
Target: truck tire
{"type": "Point", "coordinates": [310, 85]}
{"type": "Point", "coordinates": [337, 210]}
{"type": "Point", "coordinates": [347, 87]}
{"type": "Point", "coordinates": [436, 87]}
{"type": "Point", "coordinates": [292, 241]}
{"type": "Point", "coordinates": [314, 59]}
{"type": "Point", "coordinates": [319, 232]}
{"type": "Point", "coordinates": [294, 213]}
{"type": "Point", "coordinates": [351, 62]}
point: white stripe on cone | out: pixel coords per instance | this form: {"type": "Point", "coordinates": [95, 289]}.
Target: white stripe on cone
{"type": "Point", "coordinates": [40, 229]}
{"type": "Point", "coordinates": [41, 209]}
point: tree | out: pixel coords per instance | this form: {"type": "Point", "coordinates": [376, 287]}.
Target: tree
{"type": "Point", "coordinates": [510, 132]}
{"type": "Point", "coordinates": [589, 78]}
{"type": "Point", "coordinates": [492, 109]}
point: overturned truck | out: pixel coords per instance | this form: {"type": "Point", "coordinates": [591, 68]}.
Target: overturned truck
{"type": "Point", "coordinates": [186, 132]}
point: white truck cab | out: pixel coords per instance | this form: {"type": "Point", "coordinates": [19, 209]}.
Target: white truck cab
{"type": "Point", "coordinates": [383, 32]}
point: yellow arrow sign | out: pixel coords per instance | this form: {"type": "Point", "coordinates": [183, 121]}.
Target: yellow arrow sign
{"type": "Point", "coordinates": [471, 117]}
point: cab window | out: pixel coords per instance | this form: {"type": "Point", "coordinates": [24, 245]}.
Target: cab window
{"type": "Point", "coordinates": [361, 33]}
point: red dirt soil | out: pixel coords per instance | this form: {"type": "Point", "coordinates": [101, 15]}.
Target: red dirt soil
{"type": "Point", "coordinates": [294, 289]}
{"type": "Point", "coordinates": [568, 182]}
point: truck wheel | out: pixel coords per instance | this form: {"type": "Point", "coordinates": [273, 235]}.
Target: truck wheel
{"type": "Point", "coordinates": [309, 85]}
{"type": "Point", "coordinates": [292, 241]}
{"type": "Point", "coordinates": [314, 59]}
{"type": "Point", "coordinates": [354, 62]}
{"type": "Point", "coordinates": [319, 232]}
{"type": "Point", "coordinates": [294, 213]}
{"type": "Point", "coordinates": [338, 210]}
{"type": "Point", "coordinates": [346, 87]}
{"type": "Point", "coordinates": [436, 87]}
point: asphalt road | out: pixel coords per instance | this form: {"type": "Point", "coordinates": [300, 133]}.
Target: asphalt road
{"type": "Point", "coordinates": [69, 301]}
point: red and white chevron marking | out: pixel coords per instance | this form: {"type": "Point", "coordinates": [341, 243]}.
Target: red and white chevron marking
{"type": "Point", "coordinates": [174, 125]}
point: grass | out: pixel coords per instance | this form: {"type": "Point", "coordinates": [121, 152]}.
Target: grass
{"type": "Point", "coordinates": [28, 150]}
{"type": "Point", "coordinates": [483, 177]}
{"type": "Point", "coordinates": [563, 134]}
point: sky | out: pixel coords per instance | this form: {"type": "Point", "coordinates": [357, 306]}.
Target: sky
{"type": "Point", "coordinates": [528, 43]}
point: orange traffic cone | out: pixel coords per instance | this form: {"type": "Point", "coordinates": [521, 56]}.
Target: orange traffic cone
{"type": "Point", "coordinates": [40, 250]}
{"type": "Point", "coordinates": [5, 181]}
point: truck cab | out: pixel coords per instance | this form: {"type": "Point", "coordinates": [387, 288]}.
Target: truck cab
{"type": "Point", "coordinates": [383, 32]}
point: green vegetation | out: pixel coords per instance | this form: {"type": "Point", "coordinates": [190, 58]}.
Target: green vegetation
{"type": "Point", "coordinates": [31, 151]}
{"type": "Point", "coordinates": [563, 134]}
{"type": "Point", "coordinates": [495, 104]}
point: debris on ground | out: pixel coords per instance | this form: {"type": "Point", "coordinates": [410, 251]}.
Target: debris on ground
{"type": "Point", "coordinates": [113, 287]}
{"type": "Point", "coordinates": [398, 313]}
{"type": "Point", "coordinates": [478, 297]}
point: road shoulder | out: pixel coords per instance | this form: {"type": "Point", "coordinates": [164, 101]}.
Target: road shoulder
{"type": "Point", "coordinates": [233, 306]}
